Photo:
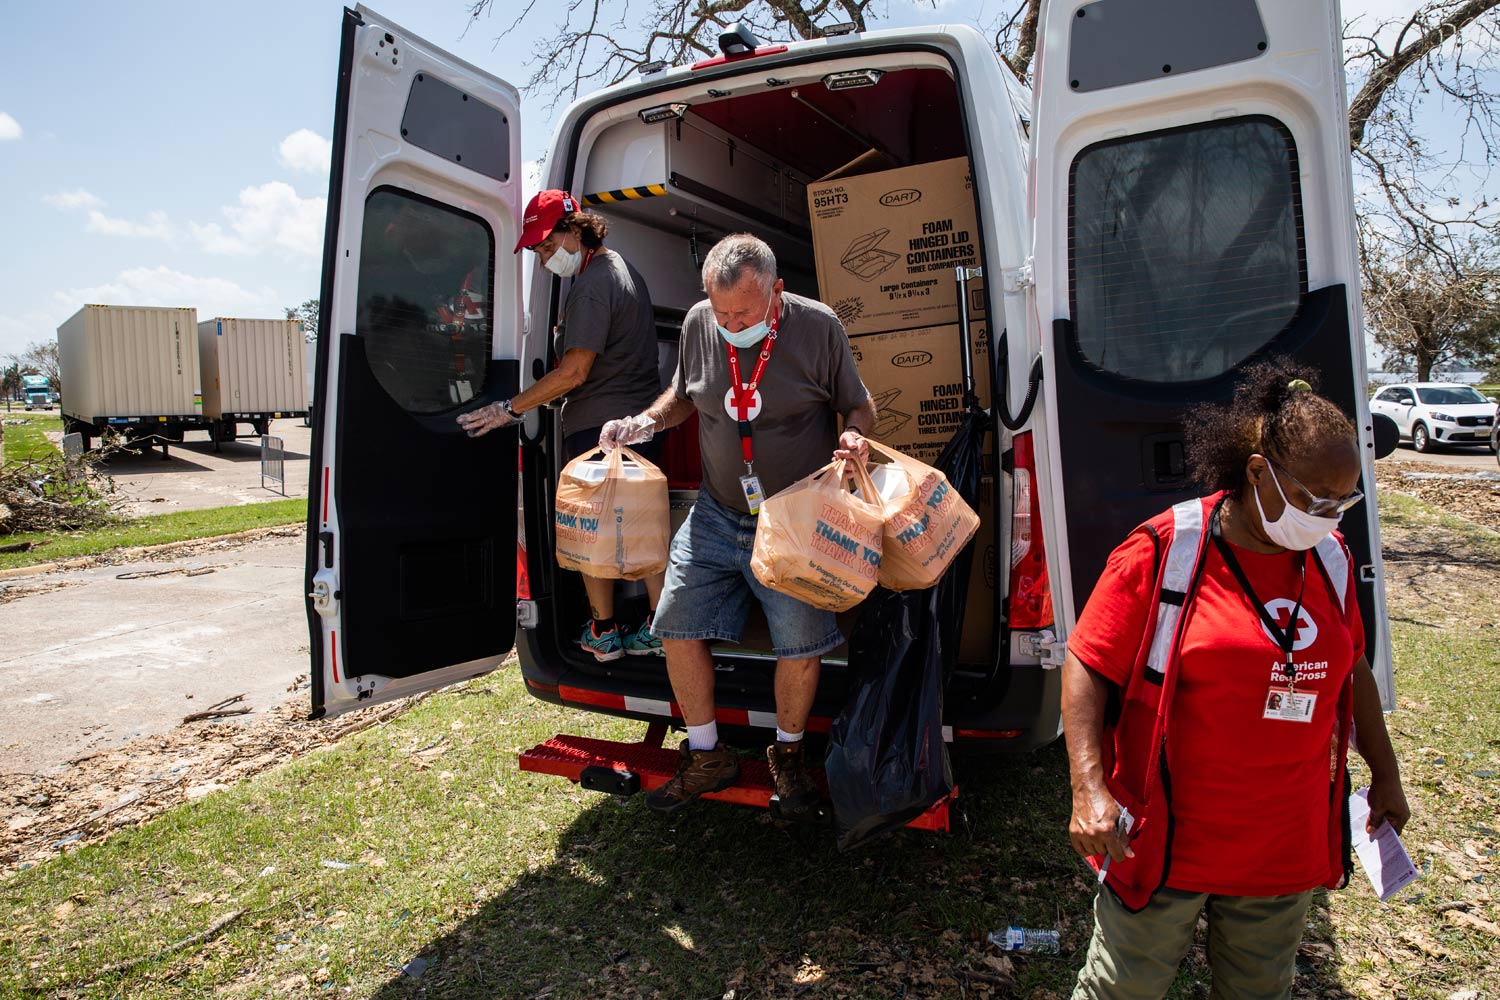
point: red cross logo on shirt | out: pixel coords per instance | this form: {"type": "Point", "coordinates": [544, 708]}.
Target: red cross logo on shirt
{"type": "Point", "coordinates": [1280, 612]}
{"type": "Point", "coordinates": [742, 404]}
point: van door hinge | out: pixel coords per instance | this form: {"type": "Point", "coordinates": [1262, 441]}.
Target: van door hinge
{"type": "Point", "coordinates": [1016, 280]}
{"type": "Point", "coordinates": [1045, 645]}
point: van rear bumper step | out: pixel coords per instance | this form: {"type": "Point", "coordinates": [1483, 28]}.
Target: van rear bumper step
{"type": "Point", "coordinates": [625, 768]}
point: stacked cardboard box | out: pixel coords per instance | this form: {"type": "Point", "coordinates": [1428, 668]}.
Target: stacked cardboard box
{"type": "Point", "coordinates": [886, 245]}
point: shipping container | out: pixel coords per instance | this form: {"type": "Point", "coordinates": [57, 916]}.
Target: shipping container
{"type": "Point", "coordinates": [131, 369]}
{"type": "Point", "coordinates": [253, 371]}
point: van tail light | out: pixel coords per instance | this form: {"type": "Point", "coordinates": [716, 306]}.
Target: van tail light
{"type": "Point", "coordinates": [523, 577]}
{"type": "Point", "coordinates": [1030, 592]}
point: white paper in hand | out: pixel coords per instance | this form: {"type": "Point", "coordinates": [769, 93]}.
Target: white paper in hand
{"type": "Point", "coordinates": [1383, 855]}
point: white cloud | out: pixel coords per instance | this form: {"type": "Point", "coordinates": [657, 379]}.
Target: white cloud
{"type": "Point", "coordinates": [76, 198]}
{"type": "Point", "coordinates": [269, 216]}
{"type": "Point", "coordinates": [306, 150]}
{"type": "Point", "coordinates": [162, 286]}
{"type": "Point", "coordinates": [9, 127]}
{"type": "Point", "coordinates": [156, 226]}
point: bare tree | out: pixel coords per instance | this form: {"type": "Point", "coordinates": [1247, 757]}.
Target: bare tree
{"type": "Point", "coordinates": [1436, 65]}
{"type": "Point", "coordinates": [307, 312]}
{"type": "Point", "coordinates": [599, 42]}
{"type": "Point", "coordinates": [39, 358]}
{"type": "Point", "coordinates": [1427, 309]}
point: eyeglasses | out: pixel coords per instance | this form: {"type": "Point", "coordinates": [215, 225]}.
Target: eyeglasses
{"type": "Point", "coordinates": [1319, 506]}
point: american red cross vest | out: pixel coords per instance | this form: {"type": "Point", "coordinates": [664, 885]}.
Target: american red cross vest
{"type": "Point", "coordinates": [1135, 739]}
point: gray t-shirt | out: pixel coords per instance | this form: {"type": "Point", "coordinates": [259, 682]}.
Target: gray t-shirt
{"type": "Point", "coordinates": [810, 380]}
{"type": "Point", "coordinates": [608, 311]}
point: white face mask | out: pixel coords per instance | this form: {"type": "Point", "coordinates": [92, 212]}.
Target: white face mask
{"type": "Point", "coordinates": [1294, 529]}
{"type": "Point", "coordinates": [563, 263]}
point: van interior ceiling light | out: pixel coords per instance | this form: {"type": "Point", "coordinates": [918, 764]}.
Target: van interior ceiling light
{"type": "Point", "coordinates": [853, 79]}
{"type": "Point", "coordinates": [739, 40]}
{"type": "Point", "coordinates": [664, 112]}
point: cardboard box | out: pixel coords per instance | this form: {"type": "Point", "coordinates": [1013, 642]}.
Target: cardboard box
{"type": "Point", "coordinates": [915, 378]}
{"type": "Point", "coordinates": [886, 245]}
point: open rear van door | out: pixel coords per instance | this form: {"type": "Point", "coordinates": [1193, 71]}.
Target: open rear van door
{"type": "Point", "coordinates": [412, 524]}
{"type": "Point", "coordinates": [1193, 213]}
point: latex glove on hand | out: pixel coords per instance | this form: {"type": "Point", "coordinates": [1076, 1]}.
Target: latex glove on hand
{"type": "Point", "coordinates": [627, 431]}
{"type": "Point", "coordinates": [852, 444]}
{"type": "Point", "coordinates": [485, 419]}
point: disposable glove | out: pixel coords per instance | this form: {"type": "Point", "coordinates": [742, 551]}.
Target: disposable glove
{"type": "Point", "coordinates": [628, 431]}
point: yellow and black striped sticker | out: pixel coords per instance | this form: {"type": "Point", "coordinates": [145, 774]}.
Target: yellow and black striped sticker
{"type": "Point", "coordinates": [625, 194]}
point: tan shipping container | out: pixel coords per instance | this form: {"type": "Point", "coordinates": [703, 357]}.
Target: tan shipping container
{"type": "Point", "coordinates": [128, 361]}
{"type": "Point", "coordinates": [886, 245]}
{"type": "Point", "coordinates": [252, 367]}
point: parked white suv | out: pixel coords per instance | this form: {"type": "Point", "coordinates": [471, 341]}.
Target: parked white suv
{"type": "Point", "coordinates": [1434, 413]}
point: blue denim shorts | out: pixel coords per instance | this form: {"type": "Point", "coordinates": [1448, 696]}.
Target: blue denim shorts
{"type": "Point", "coordinates": [709, 587]}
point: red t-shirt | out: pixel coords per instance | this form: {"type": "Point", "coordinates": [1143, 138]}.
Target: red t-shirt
{"type": "Point", "coordinates": [1249, 789]}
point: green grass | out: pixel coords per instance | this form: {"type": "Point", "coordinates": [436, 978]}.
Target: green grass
{"type": "Point", "coordinates": [520, 885]}
{"type": "Point", "coordinates": [153, 530]}
{"type": "Point", "coordinates": [26, 437]}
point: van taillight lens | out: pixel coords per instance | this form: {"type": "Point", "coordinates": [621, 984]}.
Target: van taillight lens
{"type": "Point", "coordinates": [523, 578]}
{"type": "Point", "coordinates": [1030, 594]}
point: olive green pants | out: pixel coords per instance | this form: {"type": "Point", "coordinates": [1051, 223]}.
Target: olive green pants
{"type": "Point", "coordinates": [1252, 945]}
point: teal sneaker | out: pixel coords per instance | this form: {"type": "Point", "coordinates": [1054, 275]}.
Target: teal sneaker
{"type": "Point", "coordinates": [640, 641]}
{"type": "Point", "coordinates": [604, 645]}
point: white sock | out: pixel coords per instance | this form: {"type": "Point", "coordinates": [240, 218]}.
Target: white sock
{"type": "Point", "coordinates": [782, 736]}
{"type": "Point", "coordinates": [705, 737]}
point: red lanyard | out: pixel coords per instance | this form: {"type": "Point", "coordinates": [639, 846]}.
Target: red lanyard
{"type": "Point", "coordinates": [586, 258]}
{"type": "Point", "coordinates": [744, 394]}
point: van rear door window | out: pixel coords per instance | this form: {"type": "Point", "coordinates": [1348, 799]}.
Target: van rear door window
{"type": "Point", "coordinates": [1186, 250]}
{"type": "Point", "coordinates": [425, 288]}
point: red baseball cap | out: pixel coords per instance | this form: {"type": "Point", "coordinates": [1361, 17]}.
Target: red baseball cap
{"type": "Point", "coordinates": [543, 212]}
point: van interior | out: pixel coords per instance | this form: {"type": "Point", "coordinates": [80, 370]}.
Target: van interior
{"type": "Point", "coordinates": [734, 156]}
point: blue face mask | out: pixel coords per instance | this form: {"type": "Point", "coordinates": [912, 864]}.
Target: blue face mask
{"type": "Point", "coordinates": [750, 335]}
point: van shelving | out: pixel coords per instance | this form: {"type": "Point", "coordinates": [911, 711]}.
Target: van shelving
{"type": "Point", "coordinates": [1066, 480]}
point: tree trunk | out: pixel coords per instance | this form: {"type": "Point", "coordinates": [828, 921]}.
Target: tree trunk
{"type": "Point", "coordinates": [1425, 358]}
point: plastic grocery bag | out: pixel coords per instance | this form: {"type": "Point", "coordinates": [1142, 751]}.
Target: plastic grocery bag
{"type": "Point", "coordinates": [886, 762]}
{"type": "Point", "coordinates": [819, 542]}
{"type": "Point", "coordinates": [611, 517]}
{"type": "Point", "coordinates": [927, 524]}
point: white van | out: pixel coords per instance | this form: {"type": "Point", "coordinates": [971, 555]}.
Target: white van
{"type": "Point", "coordinates": [1173, 201]}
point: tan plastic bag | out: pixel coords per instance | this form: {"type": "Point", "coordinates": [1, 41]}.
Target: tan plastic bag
{"type": "Point", "coordinates": [818, 542]}
{"type": "Point", "coordinates": [611, 517]}
{"type": "Point", "coordinates": [927, 524]}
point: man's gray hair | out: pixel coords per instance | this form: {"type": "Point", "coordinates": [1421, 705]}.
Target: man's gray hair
{"type": "Point", "coordinates": [735, 256]}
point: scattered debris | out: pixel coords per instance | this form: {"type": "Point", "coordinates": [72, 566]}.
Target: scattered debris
{"type": "Point", "coordinates": [86, 800]}
{"type": "Point", "coordinates": [220, 710]}
{"type": "Point", "coordinates": [144, 574]}
{"type": "Point", "coordinates": [1473, 496]}
{"type": "Point", "coordinates": [1462, 918]}
{"type": "Point", "coordinates": [415, 967]}
{"type": "Point", "coordinates": [337, 866]}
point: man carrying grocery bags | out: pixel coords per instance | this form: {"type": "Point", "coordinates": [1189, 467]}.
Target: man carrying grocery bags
{"type": "Point", "coordinates": [769, 374]}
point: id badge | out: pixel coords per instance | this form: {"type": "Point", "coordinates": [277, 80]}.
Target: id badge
{"type": "Point", "coordinates": [754, 496]}
{"type": "Point", "coordinates": [1286, 706]}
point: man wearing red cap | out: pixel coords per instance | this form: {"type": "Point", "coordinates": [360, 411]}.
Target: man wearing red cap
{"type": "Point", "coordinates": [605, 342]}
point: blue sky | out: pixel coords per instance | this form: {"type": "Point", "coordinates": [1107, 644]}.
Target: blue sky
{"type": "Point", "coordinates": [173, 153]}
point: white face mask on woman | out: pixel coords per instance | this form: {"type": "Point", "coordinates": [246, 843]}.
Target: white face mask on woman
{"type": "Point", "coordinates": [1295, 529]}
{"type": "Point", "coordinates": [563, 263]}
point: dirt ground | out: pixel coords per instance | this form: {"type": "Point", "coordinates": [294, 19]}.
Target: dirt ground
{"type": "Point", "coordinates": [100, 792]}
{"type": "Point", "coordinates": [195, 477]}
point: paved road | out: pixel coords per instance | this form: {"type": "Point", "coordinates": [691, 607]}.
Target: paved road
{"type": "Point", "coordinates": [1458, 459]}
{"type": "Point", "coordinates": [102, 659]}
{"type": "Point", "coordinates": [195, 477]}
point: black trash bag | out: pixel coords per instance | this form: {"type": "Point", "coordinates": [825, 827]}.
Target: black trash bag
{"type": "Point", "coordinates": [887, 762]}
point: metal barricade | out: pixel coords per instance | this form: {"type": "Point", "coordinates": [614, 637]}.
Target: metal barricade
{"type": "Point", "coordinates": [72, 450]}
{"type": "Point", "coordinates": [272, 464]}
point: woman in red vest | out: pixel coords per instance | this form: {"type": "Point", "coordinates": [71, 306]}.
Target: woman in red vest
{"type": "Point", "coordinates": [1209, 694]}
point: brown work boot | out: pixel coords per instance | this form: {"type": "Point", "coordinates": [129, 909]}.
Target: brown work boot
{"type": "Point", "coordinates": [698, 771]}
{"type": "Point", "coordinates": [795, 790]}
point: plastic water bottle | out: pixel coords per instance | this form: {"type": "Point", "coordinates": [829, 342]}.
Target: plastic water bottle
{"type": "Point", "coordinates": [1027, 939]}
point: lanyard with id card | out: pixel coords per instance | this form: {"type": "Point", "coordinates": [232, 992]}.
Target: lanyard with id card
{"type": "Point", "coordinates": [1284, 704]}
{"type": "Point", "coordinates": [744, 405]}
